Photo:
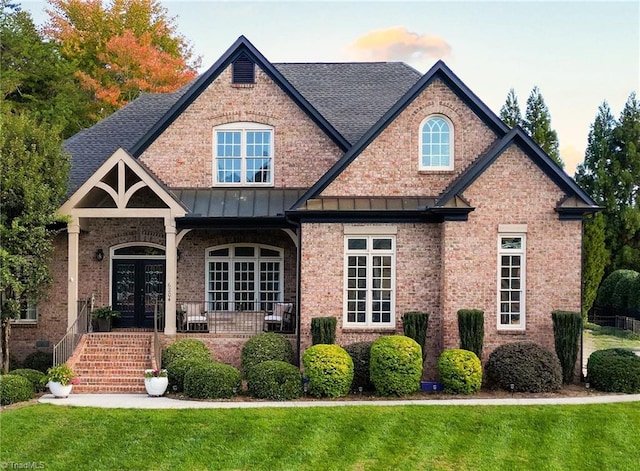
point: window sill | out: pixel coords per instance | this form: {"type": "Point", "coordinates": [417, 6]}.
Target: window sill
{"type": "Point", "coordinates": [243, 85]}
{"type": "Point", "coordinates": [435, 171]}
{"type": "Point", "coordinates": [512, 331]}
{"type": "Point", "coordinates": [24, 324]}
{"type": "Point", "coordinates": [367, 329]}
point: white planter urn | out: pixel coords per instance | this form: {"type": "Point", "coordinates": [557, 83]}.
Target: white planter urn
{"type": "Point", "coordinates": [156, 386]}
{"type": "Point", "coordinates": [58, 389]}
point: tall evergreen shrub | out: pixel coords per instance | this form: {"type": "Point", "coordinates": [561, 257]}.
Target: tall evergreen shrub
{"type": "Point", "coordinates": [471, 330]}
{"type": "Point", "coordinates": [414, 326]}
{"type": "Point", "coordinates": [566, 332]}
{"type": "Point", "coordinates": [323, 330]}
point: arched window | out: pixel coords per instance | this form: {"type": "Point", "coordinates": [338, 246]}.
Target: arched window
{"type": "Point", "coordinates": [436, 144]}
{"type": "Point", "coordinates": [244, 277]}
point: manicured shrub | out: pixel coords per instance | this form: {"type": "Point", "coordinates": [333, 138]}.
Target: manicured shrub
{"type": "Point", "coordinates": [360, 353]}
{"type": "Point", "coordinates": [460, 371]}
{"type": "Point", "coordinates": [277, 380]}
{"type": "Point", "coordinates": [185, 348]}
{"type": "Point", "coordinates": [567, 326]}
{"type": "Point", "coordinates": [329, 369]}
{"type": "Point", "coordinates": [396, 365]}
{"type": "Point", "coordinates": [323, 330]}
{"type": "Point", "coordinates": [264, 347]}
{"type": "Point", "coordinates": [471, 330]}
{"type": "Point", "coordinates": [634, 297]}
{"type": "Point", "coordinates": [177, 369]}
{"type": "Point", "coordinates": [528, 366]}
{"type": "Point", "coordinates": [14, 388]}
{"type": "Point", "coordinates": [212, 381]}
{"type": "Point", "coordinates": [605, 297]}
{"type": "Point", "coordinates": [614, 370]}
{"type": "Point", "coordinates": [35, 377]}
{"type": "Point", "coordinates": [38, 360]}
{"type": "Point", "coordinates": [622, 291]}
{"type": "Point", "coordinates": [414, 326]}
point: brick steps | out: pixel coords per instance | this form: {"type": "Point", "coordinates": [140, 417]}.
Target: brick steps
{"type": "Point", "coordinates": [112, 362]}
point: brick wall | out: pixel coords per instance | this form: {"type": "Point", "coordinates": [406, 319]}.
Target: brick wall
{"type": "Point", "coordinates": [183, 155]}
{"type": "Point", "coordinates": [389, 165]}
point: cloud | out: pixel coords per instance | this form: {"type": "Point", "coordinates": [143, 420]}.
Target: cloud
{"type": "Point", "coordinates": [571, 157]}
{"type": "Point", "coordinates": [399, 44]}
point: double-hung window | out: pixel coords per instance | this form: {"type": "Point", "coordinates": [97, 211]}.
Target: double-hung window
{"type": "Point", "coordinates": [28, 313]}
{"type": "Point", "coordinates": [244, 277]}
{"type": "Point", "coordinates": [243, 154]}
{"type": "Point", "coordinates": [369, 281]}
{"type": "Point", "coordinates": [511, 281]}
{"type": "Point", "coordinates": [436, 144]}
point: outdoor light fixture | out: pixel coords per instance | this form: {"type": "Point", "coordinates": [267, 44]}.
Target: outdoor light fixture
{"type": "Point", "coordinates": [512, 387]}
{"type": "Point", "coordinates": [99, 255]}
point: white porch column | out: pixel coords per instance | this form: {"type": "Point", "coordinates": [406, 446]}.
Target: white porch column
{"type": "Point", "coordinates": [73, 234]}
{"type": "Point", "coordinates": [171, 277]}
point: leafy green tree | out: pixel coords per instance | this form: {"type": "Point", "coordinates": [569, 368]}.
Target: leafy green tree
{"type": "Point", "coordinates": [537, 123]}
{"type": "Point", "coordinates": [510, 112]}
{"type": "Point", "coordinates": [33, 178]}
{"type": "Point", "coordinates": [595, 259]}
{"type": "Point", "coordinates": [35, 77]}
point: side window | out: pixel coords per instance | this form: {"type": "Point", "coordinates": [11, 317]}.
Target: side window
{"type": "Point", "coordinates": [436, 144]}
{"type": "Point", "coordinates": [243, 155]}
{"type": "Point", "coordinates": [511, 281]}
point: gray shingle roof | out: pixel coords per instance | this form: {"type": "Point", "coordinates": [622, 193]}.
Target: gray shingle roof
{"type": "Point", "coordinates": [351, 96]}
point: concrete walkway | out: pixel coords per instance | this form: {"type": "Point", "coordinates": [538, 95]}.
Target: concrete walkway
{"type": "Point", "coordinates": [142, 401]}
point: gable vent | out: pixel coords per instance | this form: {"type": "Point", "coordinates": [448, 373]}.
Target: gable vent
{"type": "Point", "coordinates": [243, 70]}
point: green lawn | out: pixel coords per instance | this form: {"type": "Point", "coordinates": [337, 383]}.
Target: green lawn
{"type": "Point", "coordinates": [602, 437]}
{"type": "Point", "coordinates": [611, 337]}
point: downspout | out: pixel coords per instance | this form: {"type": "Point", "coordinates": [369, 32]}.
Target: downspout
{"type": "Point", "coordinates": [582, 299]}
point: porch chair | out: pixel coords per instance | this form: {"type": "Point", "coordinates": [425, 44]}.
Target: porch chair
{"type": "Point", "coordinates": [279, 317]}
{"type": "Point", "coordinates": [194, 317]}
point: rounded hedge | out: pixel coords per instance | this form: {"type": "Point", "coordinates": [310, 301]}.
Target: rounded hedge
{"type": "Point", "coordinates": [329, 369]}
{"type": "Point", "coordinates": [177, 369]}
{"type": "Point", "coordinates": [634, 297]}
{"type": "Point", "coordinates": [396, 365]}
{"type": "Point", "coordinates": [360, 353]}
{"type": "Point", "coordinates": [460, 371]}
{"type": "Point", "coordinates": [39, 360]}
{"type": "Point", "coordinates": [212, 381]}
{"type": "Point", "coordinates": [623, 295]}
{"type": "Point", "coordinates": [264, 347]}
{"type": "Point", "coordinates": [614, 370]}
{"type": "Point", "coordinates": [14, 388]}
{"type": "Point", "coordinates": [605, 296]}
{"type": "Point", "coordinates": [185, 348]}
{"type": "Point", "coordinates": [34, 376]}
{"type": "Point", "coordinates": [273, 379]}
{"type": "Point", "coordinates": [528, 366]}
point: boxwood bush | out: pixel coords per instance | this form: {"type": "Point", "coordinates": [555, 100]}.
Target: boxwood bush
{"type": "Point", "coordinates": [329, 369]}
{"type": "Point", "coordinates": [622, 293]}
{"type": "Point", "coordinates": [34, 376]}
{"type": "Point", "coordinates": [528, 366]}
{"type": "Point", "coordinates": [460, 371]}
{"type": "Point", "coordinates": [614, 370]}
{"type": "Point", "coordinates": [396, 365]}
{"type": "Point", "coordinates": [212, 381]}
{"type": "Point", "coordinates": [177, 369]}
{"type": "Point", "coordinates": [360, 353]}
{"type": "Point", "coordinates": [14, 388]}
{"type": "Point", "coordinates": [38, 360]}
{"type": "Point", "coordinates": [605, 296]}
{"type": "Point", "coordinates": [185, 348]}
{"type": "Point", "coordinates": [264, 347]}
{"type": "Point", "coordinates": [273, 379]}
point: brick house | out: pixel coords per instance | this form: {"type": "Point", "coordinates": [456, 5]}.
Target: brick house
{"type": "Point", "coordinates": [355, 190]}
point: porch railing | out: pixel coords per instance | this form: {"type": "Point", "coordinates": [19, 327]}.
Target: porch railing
{"type": "Point", "coordinates": [201, 316]}
{"type": "Point", "coordinates": [63, 350]}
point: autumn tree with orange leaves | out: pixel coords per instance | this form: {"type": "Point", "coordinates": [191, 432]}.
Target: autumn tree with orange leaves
{"type": "Point", "coordinates": [122, 48]}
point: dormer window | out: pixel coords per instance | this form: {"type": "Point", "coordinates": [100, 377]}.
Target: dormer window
{"type": "Point", "coordinates": [436, 144]}
{"type": "Point", "coordinates": [243, 70]}
{"type": "Point", "coordinates": [243, 154]}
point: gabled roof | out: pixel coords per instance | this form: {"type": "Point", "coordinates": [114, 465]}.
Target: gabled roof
{"type": "Point", "coordinates": [241, 46]}
{"type": "Point", "coordinates": [438, 71]}
{"type": "Point", "coordinates": [517, 136]}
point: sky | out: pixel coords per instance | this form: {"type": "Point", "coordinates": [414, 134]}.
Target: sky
{"type": "Point", "coordinates": [578, 53]}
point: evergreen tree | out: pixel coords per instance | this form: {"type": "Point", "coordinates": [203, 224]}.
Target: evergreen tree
{"type": "Point", "coordinates": [510, 111]}
{"type": "Point", "coordinates": [33, 178]}
{"type": "Point", "coordinates": [595, 259]}
{"type": "Point", "coordinates": [537, 123]}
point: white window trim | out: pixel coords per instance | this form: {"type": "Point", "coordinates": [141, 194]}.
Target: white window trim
{"type": "Point", "coordinates": [27, 321]}
{"type": "Point", "coordinates": [243, 127]}
{"type": "Point", "coordinates": [384, 233]}
{"type": "Point", "coordinates": [523, 280]}
{"type": "Point", "coordinates": [437, 168]}
{"type": "Point", "coordinates": [232, 258]}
